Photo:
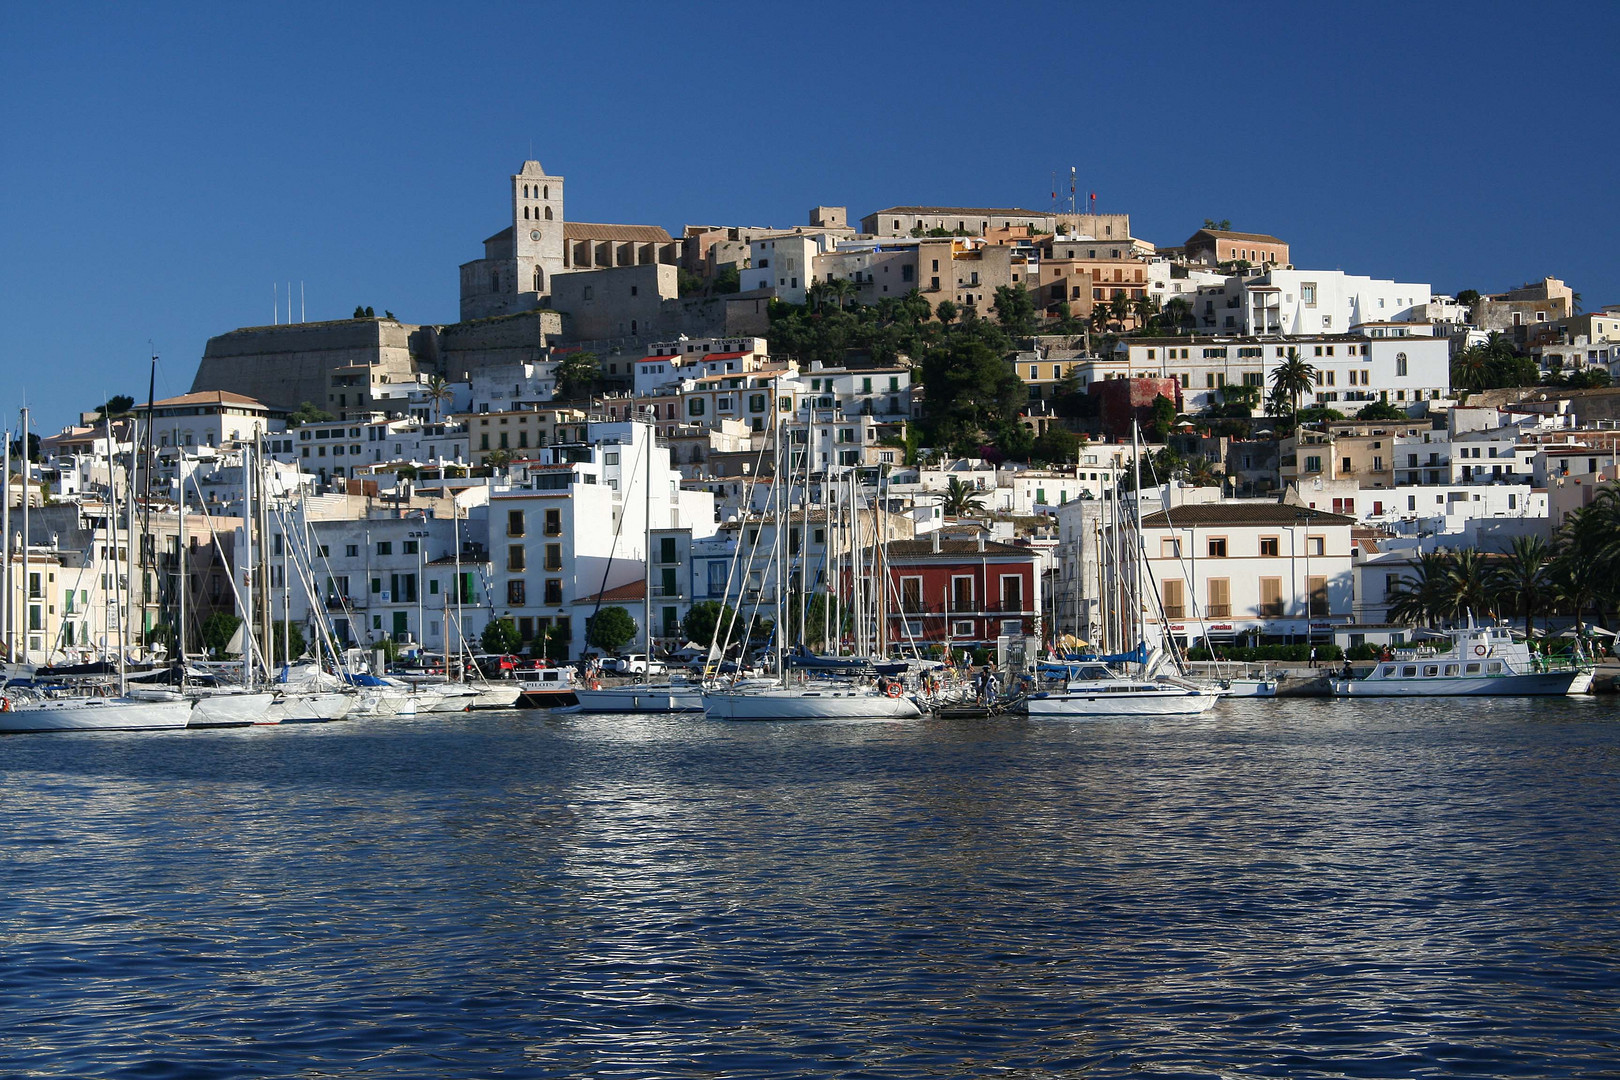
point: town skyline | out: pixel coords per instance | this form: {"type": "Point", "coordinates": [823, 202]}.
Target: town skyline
{"type": "Point", "coordinates": [191, 163]}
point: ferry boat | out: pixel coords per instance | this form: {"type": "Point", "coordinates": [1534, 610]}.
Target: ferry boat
{"type": "Point", "coordinates": [1478, 660]}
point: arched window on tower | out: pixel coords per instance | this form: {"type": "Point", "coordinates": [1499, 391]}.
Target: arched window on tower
{"type": "Point", "coordinates": [548, 213]}
{"type": "Point", "coordinates": [539, 280]}
{"type": "Point", "coordinates": [525, 213]}
{"type": "Point", "coordinates": [545, 192]}
{"type": "Point", "coordinates": [495, 281]}
{"type": "Point", "coordinates": [525, 191]}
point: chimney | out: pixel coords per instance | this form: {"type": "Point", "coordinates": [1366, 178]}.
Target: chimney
{"type": "Point", "coordinates": [981, 541]}
{"type": "Point", "coordinates": [936, 541]}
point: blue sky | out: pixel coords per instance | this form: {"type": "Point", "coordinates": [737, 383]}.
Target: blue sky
{"type": "Point", "coordinates": [161, 168]}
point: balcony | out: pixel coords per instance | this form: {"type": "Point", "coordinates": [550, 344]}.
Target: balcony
{"type": "Point", "coordinates": [665, 592]}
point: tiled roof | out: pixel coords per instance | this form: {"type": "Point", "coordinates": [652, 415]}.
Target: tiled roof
{"type": "Point", "coordinates": [635, 590]}
{"type": "Point", "coordinates": [210, 397]}
{"type": "Point", "coordinates": [912, 550]}
{"type": "Point", "coordinates": [1249, 512]}
{"type": "Point", "coordinates": [1258, 238]}
{"type": "Point", "coordinates": [644, 234]}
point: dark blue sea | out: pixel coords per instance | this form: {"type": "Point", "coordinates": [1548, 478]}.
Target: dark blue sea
{"type": "Point", "coordinates": [1282, 889]}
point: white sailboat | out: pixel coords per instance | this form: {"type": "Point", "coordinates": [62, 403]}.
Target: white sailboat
{"type": "Point", "coordinates": [828, 699]}
{"type": "Point", "coordinates": [31, 711]}
{"type": "Point", "coordinates": [1094, 690]}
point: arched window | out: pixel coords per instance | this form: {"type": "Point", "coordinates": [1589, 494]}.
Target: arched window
{"type": "Point", "coordinates": [548, 213]}
{"type": "Point", "coordinates": [539, 280]}
{"type": "Point", "coordinates": [545, 192]}
{"type": "Point", "coordinates": [525, 213]}
{"type": "Point", "coordinates": [495, 281]}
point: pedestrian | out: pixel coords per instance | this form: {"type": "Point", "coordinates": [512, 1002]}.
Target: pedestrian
{"type": "Point", "coordinates": [1313, 656]}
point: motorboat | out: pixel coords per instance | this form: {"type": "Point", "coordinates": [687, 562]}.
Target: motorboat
{"type": "Point", "coordinates": [1096, 690]}
{"type": "Point", "coordinates": [230, 707]}
{"type": "Point", "coordinates": [547, 688]}
{"type": "Point", "coordinates": [1477, 660]}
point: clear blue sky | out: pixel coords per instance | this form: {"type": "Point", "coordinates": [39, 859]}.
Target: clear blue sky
{"type": "Point", "coordinates": [161, 168]}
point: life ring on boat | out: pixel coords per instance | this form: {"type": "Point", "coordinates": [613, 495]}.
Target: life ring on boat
{"type": "Point", "coordinates": [893, 689]}
{"type": "Point", "coordinates": [1479, 650]}
{"type": "Point", "coordinates": [596, 684]}
{"type": "Point", "coordinates": [5, 704]}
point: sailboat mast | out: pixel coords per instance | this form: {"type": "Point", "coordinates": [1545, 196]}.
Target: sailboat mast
{"type": "Point", "coordinates": [6, 596]}
{"type": "Point", "coordinates": [646, 592]}
{"type": "Point", "coordinates": [181, 581]}
{"type": "Point", "coordinates": [247, 562]}
{"type": "Point", "coordinates": [28, 497]}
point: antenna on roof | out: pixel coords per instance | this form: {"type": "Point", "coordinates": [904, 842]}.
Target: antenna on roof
{"type": "Point", "coordinates": [275, 303]}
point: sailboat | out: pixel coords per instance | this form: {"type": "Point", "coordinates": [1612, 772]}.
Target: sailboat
{"type": "Point", "coordinates": [643, 696]}
{"type": "Point", "coordinates": [1094, 690]}
{"type": "Point", "coordinates": [820, 699]}
{"type": "Point", "coordinates": [36, 710]}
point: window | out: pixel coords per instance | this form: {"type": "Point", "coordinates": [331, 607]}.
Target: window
{"type": "Point", "coordinates": [515, 592]}
{"type": "Point", "coordinates": [385, 547]}
{"type": "Point", "coordinates": [1217, 547]}
{"type": "Point", "coordinates": [1400, 364]}
{"type": "Point", "coordinates": [553, 523]}
{"type": "Point", "coordinates": [514, 557]}
{"type": "Point", "coordinates": [1271, 604]}
{"type": "Point", "coordinates": [1315, 545]}
{"type": "Point", "coordinates": [351, 551]}
{"type": "Point", "coordinates": [962, 593]}
{"type": "Point", "coordinates": [409, 547]}
{"type": "Point", "coordinates": [1220, 598]}
{"type": "Point", "coordinates": [1169, 549]}
{"type": "Point", "coordinates": [1319, 596]}
{"type": "Point", "coordinates": [1175, 600]}
{"type": "Point", "coordinates": [514, 522]}
{"type": "Point", "coordinates": [1307, 293]}
{"type": "Point", "coordinates": [1270, 546]}
{"type": "Point", "coordinates": [1012, 592]}
{"type": "Point", "coordinates": [911, 595]}
{"type": "Point", "coordinates": [554, 591]}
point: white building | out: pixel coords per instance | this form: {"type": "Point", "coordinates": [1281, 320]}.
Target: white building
{"type": "Point", "coordinates": [1297, 302]}
{"type": "Point", "coordinates": [669, 363]}
{"type": "Point", "coordinates": [784, 262]}
{"type": "Point", "coordinates": [1234, 567]}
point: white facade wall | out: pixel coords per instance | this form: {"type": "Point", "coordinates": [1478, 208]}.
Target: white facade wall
{"type": "Point", "coordinates": [1294, 302]}
{"type": "Point", "coordinates": [784, 263]}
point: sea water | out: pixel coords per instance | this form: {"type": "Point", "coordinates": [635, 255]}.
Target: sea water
{"type": "Point", "coordinates": [1281, 888]}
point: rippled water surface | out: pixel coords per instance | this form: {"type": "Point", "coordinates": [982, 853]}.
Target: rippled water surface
{"type": "Point", "coordinates": [1283, 889]}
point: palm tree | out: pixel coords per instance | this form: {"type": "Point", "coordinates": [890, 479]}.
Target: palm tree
{"type": "Point", "coordinates": [1146, 308]}
{"type": "Point", "coordinates": [439, 392]}
{"type": "Point", "coordinates": [1422, 598]}
{"type": "Point", "coordinates": [961, 500]}
{"type": "Point", "coordinates": [1120, 308]}
{"type": "Point", "coordinates": [1469, 582]}
{"type": "Point", "coordinates": [1292, 378]}
{"type": "Point", "coordinates": [1177, 312]}
{"type": "Point", "coordinates": [1524, 578]}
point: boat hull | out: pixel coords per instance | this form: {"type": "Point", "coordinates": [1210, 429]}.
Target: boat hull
{"type": "Point", "coordinates": [501, 695]}
{"type": "Point", "coordinates": [1529, 684]}
{"type": "Point", "coordinates": [232, 710]}
{"type": "Point", "coordinates": [641, 698]}
{"type": "Point", "coordinates": [96, 714]}
{"type": "Point", "coordinates": [808, 705]}
{"type": "Point", "coordinates": [1084, 704]}
{"type": "Point", "coordinates": [310, 708]}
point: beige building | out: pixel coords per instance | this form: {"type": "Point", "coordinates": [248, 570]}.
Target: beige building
{"type": "Point", "coordinates": [1348, 450]}
{"type": "Point", "coordinates": [521, 432]}
{"type": "Point", "coordinates": [1544, 301]}
{"type": "Point", "coordinates": [1216, 247]}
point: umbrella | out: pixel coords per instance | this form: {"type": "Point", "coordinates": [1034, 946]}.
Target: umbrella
{"type": "Point", "coordinates": [1598, 631]}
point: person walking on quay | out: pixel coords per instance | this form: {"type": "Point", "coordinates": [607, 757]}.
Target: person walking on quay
{"type": "Point", "coordinates": [1313, 656]}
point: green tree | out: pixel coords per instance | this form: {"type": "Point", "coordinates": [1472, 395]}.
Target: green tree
{"type": "Point", "coordinates": [294, 647]}
{"type": "Point", "coordinates": [439, 392]}
{"type": "Point", "coordinates": [1291, 378]}
{"type": "Point", "coordinates": [1524, 579]}
{"type": "Point", "coordinates": [1422, 598]}
{"type": "Point", "coordinates": [702, 619]}
{"type": "Point", "coordinates": [611, 629]}
{"type": "Point", "coordinates": [1015, 440]}
{"type": "Point", "coordinates": [308, 413]}
{"type": "Point", "coordinates": [1015, 311]}
{"type": "Point", "coordinates": [217, 631]}
{"type": "Point", "coordinates": [1471, 586]}
{"type": "Point", "coordinates": [557, 644]}
{"type": "Point", "coordinates": [501, 637]}
{"type": "Point", "coordinates": [118, 405]}
{"type": "Point", "coordinates": [1468, 297]}
{"type": "Point", "coordinates": [1164, 418]}
{"type": "Point", "coordinates": [1223, 225]}
{"type": "Point", "coordinates": [961, 500]}
{"type": "Point", "coordinates": [728, 280]}
{"type": "Point", "coordinates": [577, 375]}
{"type": "Point", "coordinates": [498, 459]}
{"type": "Point", "coordinates": [1056, 446]}
{"type": "Point", "coordinates": [1379, 410]}
{"type": "Point", "coordinates": [946, 312]}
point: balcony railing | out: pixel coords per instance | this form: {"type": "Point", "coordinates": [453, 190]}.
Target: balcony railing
{"type": "Point", "coordinates": [667, 592]}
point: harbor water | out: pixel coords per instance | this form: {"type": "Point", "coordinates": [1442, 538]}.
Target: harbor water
{"type": "Point", "coordinates": [1280, 888]}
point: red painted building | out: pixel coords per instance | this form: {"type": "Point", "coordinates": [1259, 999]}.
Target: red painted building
{"type": "Point", "coordinates": [962, 592]}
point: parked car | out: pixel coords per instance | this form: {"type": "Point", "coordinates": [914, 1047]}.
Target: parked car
{"type": "Point", "coordinates": [634, 664]}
